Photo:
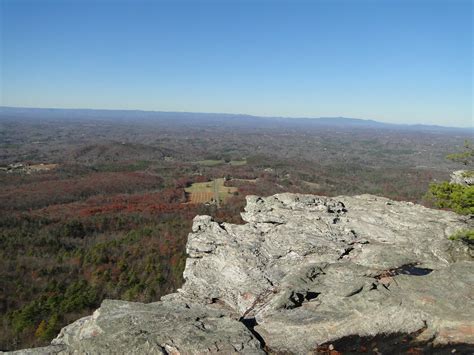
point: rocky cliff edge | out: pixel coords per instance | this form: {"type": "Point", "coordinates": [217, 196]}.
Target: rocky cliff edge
{"type": "Point", "coordinates": [304, 274]}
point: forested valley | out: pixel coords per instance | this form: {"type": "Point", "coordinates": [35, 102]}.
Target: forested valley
{"type": "Point", "coordinates": [95, 207]}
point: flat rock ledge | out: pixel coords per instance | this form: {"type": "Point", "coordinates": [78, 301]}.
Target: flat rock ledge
{"type": "Point", "coordinates": [304, 274]}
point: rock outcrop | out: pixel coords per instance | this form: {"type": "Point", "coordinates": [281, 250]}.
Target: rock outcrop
{"type": "Point", "coordinates": [463, 177]}
{"type": "Point", "coordinates": [303, 274]}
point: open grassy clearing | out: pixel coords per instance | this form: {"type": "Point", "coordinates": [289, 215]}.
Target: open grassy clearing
{"type": "Point", "coordinates": [211, 162]}
{"type": "Point", "coordinates": [238, 162]}
{"type": "Point", "coordinates": [251, 181]}
{"type": "Point", "coordinates": [204, 192]}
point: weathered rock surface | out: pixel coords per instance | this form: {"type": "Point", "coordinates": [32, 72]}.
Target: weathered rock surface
{"type": "Point", "coordinates": [302, 273]}
{"type": "Point", "coordinates": [463, 177]}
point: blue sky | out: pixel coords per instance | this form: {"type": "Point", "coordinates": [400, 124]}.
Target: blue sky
{"type": "Point", "coordinates": [406, 61]}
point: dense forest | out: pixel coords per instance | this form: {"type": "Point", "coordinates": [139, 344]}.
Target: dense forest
{"type": "Point", "coordinates": [97, 207]}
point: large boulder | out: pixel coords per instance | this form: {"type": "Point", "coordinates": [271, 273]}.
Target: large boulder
{"type": "Point", "coordinates": [304, 274]}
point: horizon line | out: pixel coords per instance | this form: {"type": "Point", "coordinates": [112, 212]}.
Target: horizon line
{"type": "Point", "coordinates": [233, 114]}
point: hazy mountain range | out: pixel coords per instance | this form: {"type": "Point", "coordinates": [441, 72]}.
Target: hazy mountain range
{"type": "Point", "coordinates": [212, 118]}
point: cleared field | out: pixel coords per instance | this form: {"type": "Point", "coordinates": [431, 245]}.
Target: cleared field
{"type": "Point", "coordinates": [42, 167]}
{"type": "Point", "coordinates": [221, 162]}
{"type": "Point", "coordinates": [250, 181]}
{"type": "Point", "coordinates": [238, 162]}
{"type": "Point", "coordinates": [210, 162]}
{"type": "Point", "coordinates": [200, 197]}
{"type": "Point", "coordinates": [204, 192]}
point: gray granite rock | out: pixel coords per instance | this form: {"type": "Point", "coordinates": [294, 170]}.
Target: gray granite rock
{"type": "Point", "coordinates": [302, 272]}
{"type": "Point", "coordinates": [155, 328]}
{"type": "Point", "coordinates": [463, 177]}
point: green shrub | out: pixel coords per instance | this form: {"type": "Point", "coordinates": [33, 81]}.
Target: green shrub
{"type": "Point", "coordinates": [468, 174]}
{"type": "Point", "coordinates": [464, 235]}
{"type": "Point", "coordinates": [459, 198]}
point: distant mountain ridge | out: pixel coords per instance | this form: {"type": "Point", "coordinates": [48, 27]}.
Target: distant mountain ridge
{"type": "Point", "coordinates": [209, 118]}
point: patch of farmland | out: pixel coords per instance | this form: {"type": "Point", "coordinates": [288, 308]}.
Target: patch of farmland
{"type": "Point", "coordinates": [246, 181]}
{"type": "Point", "coordinates": [206, 192]}
{"type": "Point", "coordinates": [211, 162]}
{"type": "Point", "coordinates": [200, 197]}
